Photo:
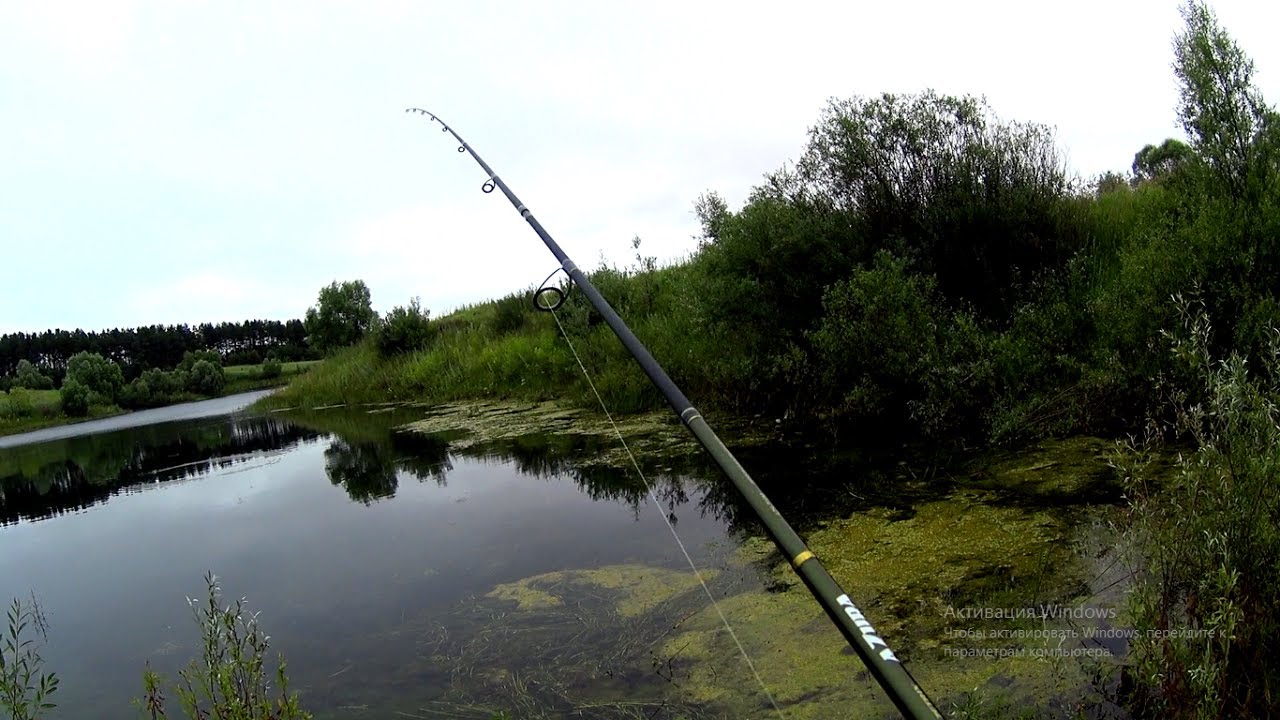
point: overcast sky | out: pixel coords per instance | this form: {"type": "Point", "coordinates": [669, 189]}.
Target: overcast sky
{"type": "Point", "coordinates": [182, 162]}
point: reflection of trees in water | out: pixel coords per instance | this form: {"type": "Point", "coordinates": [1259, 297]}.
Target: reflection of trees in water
{"type": "Point", "coordinates": [60, 476]}
{"type": "Point", "coordinates": [369, 471]}
{"type": "Point", "coordinates": [425, 457]}
{"type": "Point", "coordinates": [576, 457]}
{"type": "Point", "coordinates": [365, 470]}
{"type": "Point", "coordinates": [369, 456]}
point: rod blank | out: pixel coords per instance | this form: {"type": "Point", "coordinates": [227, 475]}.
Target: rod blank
{"type": "Point", "coordinates": [857, 630]}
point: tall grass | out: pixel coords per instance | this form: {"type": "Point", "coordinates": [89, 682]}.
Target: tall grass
{"type": "Point", "coordinates": [507, 350]}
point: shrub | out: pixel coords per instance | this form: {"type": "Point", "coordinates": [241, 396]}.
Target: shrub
{"type": "Point", "coordinates": [26, 375]}
{"type": "Point", "coordinates": [75, 397]}
{"type": "Point", "coordinates": [272, 367]}
{"type": "Point", "coordinates": [887, 351]}
{"type": "Point", "coordinates": [24, 689]}
{"type": "Point", "coordinates": [1204, 605]}
{"type": "Point", "coordinates": [190, 358]}
{"type": "Point", "coordinates": [137, 394]}
{"type": "Point", "coordinates": [230, 680]}
{"type": "Point", "coordinates": [205, 378]}
{"type": "Point", "coordinates": [343, 315]}
{"type": "Point", "coordinates": [101, 376]}
{"type": "Point", "coordinates": [977, 202]}
{"type": "Point", "coordinates": [404, 329]}
{"type": "Point", "coordinates": [154, 388]}
{"type": "Point", "coordinates": [20, 403]}
{"type": "Point", "coordinates": [510, 313]}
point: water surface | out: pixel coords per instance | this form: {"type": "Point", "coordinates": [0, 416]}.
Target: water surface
{"type": "Point", "coordinates": [338, 541]}
{"type": "Point", "coordinates": [417, 575]}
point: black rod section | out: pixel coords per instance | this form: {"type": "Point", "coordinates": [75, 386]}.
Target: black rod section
{"type": "Point", "coordinates": [871, 648]}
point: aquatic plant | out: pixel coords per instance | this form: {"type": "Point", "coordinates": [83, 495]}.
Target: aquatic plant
{"type": "Point", "coordinates": [24, 689]}
{"type": "Point", "coordinates": [229, 681]}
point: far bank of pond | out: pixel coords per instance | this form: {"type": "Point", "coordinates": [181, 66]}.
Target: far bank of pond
{"type": "Point", "coordinates": [458, 560]}
{"type": "Point", "coordinates": [43, 408]}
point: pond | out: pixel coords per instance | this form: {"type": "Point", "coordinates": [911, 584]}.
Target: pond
{"type": "Point", "coordinates": [459, 561]}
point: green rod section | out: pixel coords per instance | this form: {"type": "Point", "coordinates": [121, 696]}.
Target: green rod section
{"type": "Point", "coordinates": [857, 630]}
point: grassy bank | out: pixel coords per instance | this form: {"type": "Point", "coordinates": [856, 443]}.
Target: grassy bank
{"type": "Point", "coordinates": [243, 378]}
{"type": "Point", "coordinates": [507, 350]}
{"type": "Point", "coordinates": [23, 410]}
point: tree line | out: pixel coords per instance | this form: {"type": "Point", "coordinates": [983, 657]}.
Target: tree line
{"type": "Point", "coordinates": [156, 346]}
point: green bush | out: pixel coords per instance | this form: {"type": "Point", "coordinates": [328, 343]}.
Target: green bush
{"type": "Point", "coordinates": [156, 388]}
{"type": "Point", "coordinates": [190, 358]}
{"type": "Point", "coordinates": [101, 376]}
{"type": "Point", "coordinates": [404, 329]}
{"type": "Point", "coordinates": [272, 367]}
{"type": "Point", "coordinates": [979, 203]}
{"type": "Point", "coordinates": [1209, 545]}
{"type": "Point", "coordinates": [75, 397]}
{"type": "Point", "coordinates": [20, 403]}
{"type": "Point", "coordinates": [342, 317]}
{"type": "Point", "coordinates": [206, 378]}
{"type": "Point", "coordinates": [137, 394]}
{"type": "Point", "coordinates": [510, 313]}
{"type": "Point", "coordinates": [886, 354]}
{"type": "Point", "coordinates": [26, 375]}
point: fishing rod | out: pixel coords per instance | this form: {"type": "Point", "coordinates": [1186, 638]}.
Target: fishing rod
{"type": "Point", "coordinates": [857, 630]}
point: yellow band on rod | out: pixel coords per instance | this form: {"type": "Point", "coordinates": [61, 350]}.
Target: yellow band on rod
{"type": "Point", "coordinates": [799, 559]}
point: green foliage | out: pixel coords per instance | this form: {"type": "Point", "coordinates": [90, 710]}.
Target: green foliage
{"type": "Point", "coordinates": [156, 388]}
{"type": "Point", "coordinates": [976, 202]}
{"type": "Point", "coordinates": [272, 367]}
{"type": "Point", "coordinates": [27, 376]}
{"type": "Point", "coordinates": [20, 403]}
{"type": "Point", "coordinates": [404, 329]}
{"type": "Point", "coordinates": [75, 397]}
{"type": "Point", "coordinates": [230, 680]}
{"type": "Point", "coordinates": [887, 354]}
{"type": "Point", "coordinates": [205, 378]}
{"type": "Point", "coordinates": [1110, 182]}
{"type": "Point", "coordinates": [190, 358]}
{"type": "Point", "coordinates": [1155, 162]}
{"type": "Point", "coordinates": [343, 315]}
{"type": "Point", "coordinates": [24, 688]}
{"type": "Point", "coordinates": [101, 376]}
{"type": "Point", "coordinates": [1232, 129]}
{"type": "Point", "coordinates": [1204, 609]}
{"type": "Point", "coordinates": [510, 313]}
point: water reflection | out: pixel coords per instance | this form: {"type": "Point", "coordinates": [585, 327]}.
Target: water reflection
{"type": "Point", "coordinates": [72, 474]}
{"type": "Point", "coordinates": [366, 456]}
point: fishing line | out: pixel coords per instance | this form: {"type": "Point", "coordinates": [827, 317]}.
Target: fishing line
{"type": "Point", "coordinates": [658, 504]}
{"type": "Point", "coordinates": [875, 654]}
